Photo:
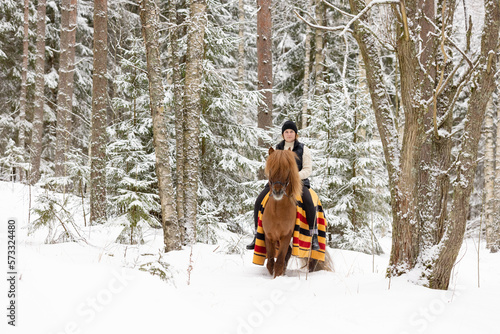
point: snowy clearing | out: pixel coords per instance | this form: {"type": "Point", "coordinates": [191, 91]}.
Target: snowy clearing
{"type": "Point", "coordinates": [97, 288]}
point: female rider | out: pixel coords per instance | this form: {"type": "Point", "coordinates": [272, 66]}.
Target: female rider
{"type": "Point", "coordinates": [304, 162]}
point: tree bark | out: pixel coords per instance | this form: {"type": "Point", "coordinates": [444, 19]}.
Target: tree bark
{"type": "Point", "coordinates": [99, 103]}
{"type": "Point", "coordinates": [37, 132]}
{"type": "Point", "coordinates": [387, 130]}
{"type": "Point", "coordinates": [193, 107]}
{"type": "Point", "coordinates": [65, 91]}
{"type": "Point", "coordinates": [489, 176]}
{"type": "Point", "coordinates": [179, 116]}
{"type": "Point", "coordinates": [307, 64]}
{"type": "Point", "coordinates": [24, 88]}
{"type": "Point", "coordinates": [241, 45]}
{"type": "Point", "coordinates": [150, 30]}
{"type": "Point", "coordinates": [419, 172]}
{"type": "Point", "coordinates": [264, 65]}
{"type": "Point", "coordinates": [435, 155]}
{"type": "Point", "coordinates": [482, 88]}
{"type": "Point", "coordinates": [496, 222]}
{"type": "Point", "coordinates": [319, 57]}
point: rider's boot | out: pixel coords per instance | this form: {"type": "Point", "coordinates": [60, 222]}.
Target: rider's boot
{"type": "Point", "coordinates": [252, 244]}
{"type": "Point", "coordinates": [314, 241]}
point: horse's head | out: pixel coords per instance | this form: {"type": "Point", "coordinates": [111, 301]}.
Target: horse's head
{"type": "Point", "coordinates": [283, 174]}
{"type": "Point", "coordinates": [278, 189]}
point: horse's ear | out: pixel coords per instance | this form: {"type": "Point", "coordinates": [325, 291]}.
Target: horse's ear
{"type": "Point", "coordinates": [271, 150]}
{"type": "Point", "coordinates": [289, 148]}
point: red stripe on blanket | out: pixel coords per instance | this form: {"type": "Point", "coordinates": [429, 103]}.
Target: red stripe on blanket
{"type": "Point", "coordinates": [260, 249]}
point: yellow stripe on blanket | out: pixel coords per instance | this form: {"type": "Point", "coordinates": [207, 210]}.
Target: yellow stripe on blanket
{"type": "Point", "coordinates": [301, 241]}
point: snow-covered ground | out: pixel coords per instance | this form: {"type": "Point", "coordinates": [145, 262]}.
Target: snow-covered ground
{"type": "Point", "coordinates": [97, 288]}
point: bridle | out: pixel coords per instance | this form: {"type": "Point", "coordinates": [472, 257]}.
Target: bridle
{"type": "Point", "coordinates": [278, 182]}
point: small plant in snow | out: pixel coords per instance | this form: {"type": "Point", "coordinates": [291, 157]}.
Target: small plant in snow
{"type": "Point", "coordinates": [53, 211]}
{"type": "Point", "coordinates": [158, 268]}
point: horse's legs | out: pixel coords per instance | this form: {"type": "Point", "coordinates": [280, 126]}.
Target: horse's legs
{"type": "Point", "coordinates": [270, 251]}
{"type": "Point", "coordinates": [287, 257]}
{"type": "Point", "coordinates": [280, 266]}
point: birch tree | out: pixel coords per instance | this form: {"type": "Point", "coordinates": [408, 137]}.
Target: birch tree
{"type": "Point", "coordinates": [495, 246]}
{"type": "Point", "coordinates": [193, 106]}
{"type": "Point", "coordinates": [150, 31]}
{"type": "Point", "coordinates": [99, 105]}
{"type": "Point", "coordinates": [37, 132]}
{"type": "Point", "coordinates": [489, 176]}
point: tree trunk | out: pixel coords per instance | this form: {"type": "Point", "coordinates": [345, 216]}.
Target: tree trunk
{"type": "Point", "coordinates": [179, 117]}
{"type": "Point", "coordinates": [37, 132]}
{"type": "Point", "coordinates": [150, 30]}
{"type": "Point", "coordinates": [483, 87]}
{"type": "Point", "coordinates": [65, 92]}
{"type": "Point", "coordinates": [319, 48]}
{"type": "Point", "coordinates": [241, 45]}
{"type": "Point", "coordinates": [435, 156]}
{"type": "Point", "coordinates": [99, 103]}
{"type": "Point", "coordinates": [307, 64]}
{"type": "Point", "coordinates": [489, 176]}
{"type": "Point", "coordinates": [496, 230]}
{"type": "Point", "coordinates": [24, 88]}
{"type": "Point", "coordinates": [192, 102]}
{"type": "Point", "coordinates": [264, 65]}
{"type": "Point", "coordinates": [383, 115]}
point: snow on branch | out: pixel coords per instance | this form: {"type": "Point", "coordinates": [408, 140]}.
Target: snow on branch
{"type": "Point", "coordinates": [312, 25]}
{"type": "Point", "coordinates": [345, 28]}
{"type": "Point", "coordinates": [337, 9]}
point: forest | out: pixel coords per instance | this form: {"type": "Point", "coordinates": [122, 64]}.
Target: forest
{"type": "Point", "coordinates": [161, 113]}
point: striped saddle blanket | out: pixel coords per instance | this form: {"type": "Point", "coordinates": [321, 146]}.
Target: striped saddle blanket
{"type": "Point", "coordinates": [301, 241]}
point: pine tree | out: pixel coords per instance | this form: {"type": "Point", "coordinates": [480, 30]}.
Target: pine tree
{"type": "Point", "coordinates": [65, 87]}
{"type": "Point", "coordinates": [98, 200]}
{"type": "Point", "coordinates": [37, 134]}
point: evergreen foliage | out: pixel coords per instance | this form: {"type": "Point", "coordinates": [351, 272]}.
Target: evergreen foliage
{"type": "Point", "coordinates": [349, 175]}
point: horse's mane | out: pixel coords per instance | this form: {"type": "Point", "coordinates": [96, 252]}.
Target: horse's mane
{"type": "Point", "coordinates": [281, 166]}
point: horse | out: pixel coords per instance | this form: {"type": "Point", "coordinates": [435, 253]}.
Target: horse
{"type": "Point", "coordinates": [278, 219]}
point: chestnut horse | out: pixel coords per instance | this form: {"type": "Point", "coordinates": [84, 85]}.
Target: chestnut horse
{"type": "Point", "coordinates": [278, 219]}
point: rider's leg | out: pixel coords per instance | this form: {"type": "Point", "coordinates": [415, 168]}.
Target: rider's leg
{"type": "Point", "coordinates": [256, 213]}
{"type": "Point", "coordinates": [311, 217]}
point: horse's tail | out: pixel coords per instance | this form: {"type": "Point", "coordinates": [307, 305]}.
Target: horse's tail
{"type": "Point", "coordinates": [315, 265]}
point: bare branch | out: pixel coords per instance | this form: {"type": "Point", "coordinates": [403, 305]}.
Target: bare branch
{"type": "Point", "coordinates": [405, 20]}
{"type": "Point", "coordinates": [452, 42]}
{"type": "Point", "coordinates": [345, 28]}
{"type": "Point", "coordinates": [318, 26]}
{"type": "Point", "coordinates": [337, 9]}
{"type": "Point", "coordinates": [464, 80]}
{"type": "Point", "coordinates": [441, 77]}
{"type": "Point", "coordinates": [364, 10]}
{"type": "Point", "coordinates": [461, 51]}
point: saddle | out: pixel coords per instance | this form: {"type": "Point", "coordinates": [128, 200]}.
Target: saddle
{"type": "Point", "coordinates": [301, 241]}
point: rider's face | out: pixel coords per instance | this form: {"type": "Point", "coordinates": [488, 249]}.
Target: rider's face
{"type": "Point", "coordinates": [289, 135]}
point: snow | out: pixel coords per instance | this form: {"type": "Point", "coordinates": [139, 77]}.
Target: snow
{"type": "Point", "coordinates": [97, 288]}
